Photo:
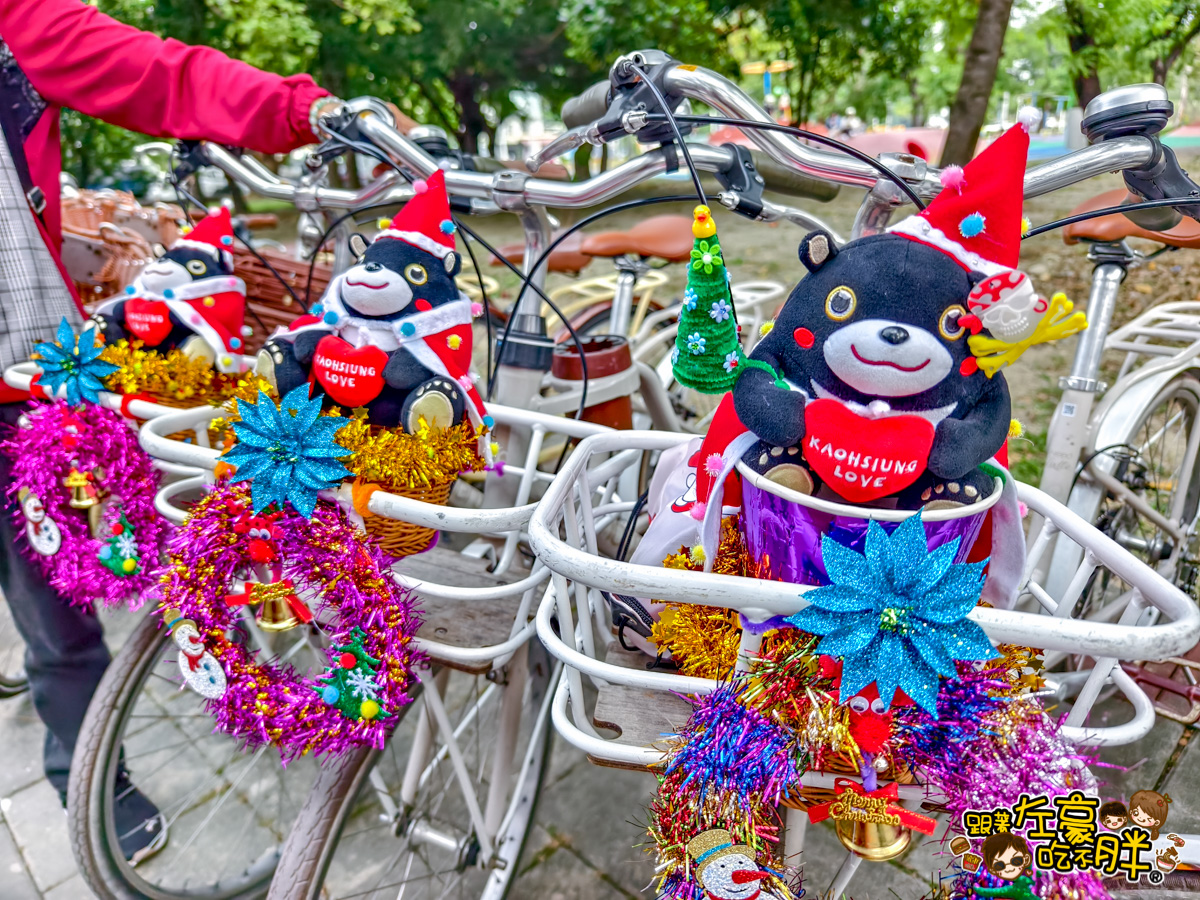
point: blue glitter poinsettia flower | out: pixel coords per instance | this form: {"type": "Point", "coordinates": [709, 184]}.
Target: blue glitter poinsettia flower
{"type": "Point", "coordinates": [73, 363]}
{"type": "Point", "coordinates": [897, 614]}
{"type": "Point", "coordinates": [287, 453]}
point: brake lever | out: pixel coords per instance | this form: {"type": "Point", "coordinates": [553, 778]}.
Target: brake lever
{"type": "Point", "coordinates": [564, 143]}
{"type": "Point", "coordinates": [191, 157]}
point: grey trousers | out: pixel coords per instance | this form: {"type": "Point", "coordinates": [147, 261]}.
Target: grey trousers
{"type": "Point", "coordinates": [65, 654]}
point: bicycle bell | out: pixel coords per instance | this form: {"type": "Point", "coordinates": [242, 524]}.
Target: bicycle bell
{"type": "Point", "coordinates": [1140, 109]}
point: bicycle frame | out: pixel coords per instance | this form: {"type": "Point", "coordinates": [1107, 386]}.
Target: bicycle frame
{"type": "Point", "coordinates": [1159, 345]}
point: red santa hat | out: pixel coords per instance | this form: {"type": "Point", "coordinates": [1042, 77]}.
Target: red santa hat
{"type": "Point", "coordinates": [213, 234]}
{"type": "Point", "coordinates": [425, 220]}
{"type": "Point", "coordinates": [976, 219]}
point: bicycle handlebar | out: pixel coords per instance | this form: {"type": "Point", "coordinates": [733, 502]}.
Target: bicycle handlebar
{"type": "Point", "coordinates": [586, 107]}
{"type": "Point", "coordinates": [793, 166]}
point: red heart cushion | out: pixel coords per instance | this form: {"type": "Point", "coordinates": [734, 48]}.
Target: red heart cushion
{"type": "Point", "coordinates": [150, 320]}
{"type": "Point", "coordinates": [350, 376]}
{"type": "Point", "coordinates": [864, 459]}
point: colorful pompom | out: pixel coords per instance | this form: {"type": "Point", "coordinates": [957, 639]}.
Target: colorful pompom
{"type": "Point", "coordinates": [953, 177]}
{"type": "Point", "coordinates": [972, 225]}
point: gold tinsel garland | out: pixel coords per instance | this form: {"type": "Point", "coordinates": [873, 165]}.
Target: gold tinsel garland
{"type": "Point", "coordinates": [173, 378]}
{"type": "Point", "coordinates": [392, 459]}
{"type": "Point", "coordinates": [703, 640]}
{"type": "Point", "coordinates": [397, 460]}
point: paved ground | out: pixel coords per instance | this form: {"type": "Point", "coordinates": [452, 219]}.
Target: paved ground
{"type": "Point", "coordinates": [583, 845]}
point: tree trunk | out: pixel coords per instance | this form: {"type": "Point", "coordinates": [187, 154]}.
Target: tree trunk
{"type": "Point", "coordinates": [979, 75]}
{"type": "Point", "coordinates": [918, 104]}
{"type": "Point", "coordinates": [471, 121]}
{"type": "Point", "coordinates": [1080, 40]}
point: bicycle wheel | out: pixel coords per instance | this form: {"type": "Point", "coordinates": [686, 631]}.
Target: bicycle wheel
{"type": "Point", "coordinates": [12, 655]}
{"type": "Point", "coordinates": [357, 837]}
{"type": "Point", "coordinates": [1158, 464]}
{"type": "Point", "coordinates": [228, 810]}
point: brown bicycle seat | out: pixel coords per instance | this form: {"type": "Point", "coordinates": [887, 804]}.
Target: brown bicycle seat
{"type": "Point", "coordinates": [666, 237]}
{"type": "Point", "coordinates": [1116, 227]}
{"type": "Point", "coordinates": [566, 257]}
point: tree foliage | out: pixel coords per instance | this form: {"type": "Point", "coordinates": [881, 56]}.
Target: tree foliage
{"type": "Point", "coordinates": [462, 63]}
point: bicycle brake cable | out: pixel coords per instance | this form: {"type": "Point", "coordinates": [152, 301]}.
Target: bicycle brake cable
{"type": "Point", "coordinates": [1106, 211]}
{"type": "Point", "coordinates": [673, 122]}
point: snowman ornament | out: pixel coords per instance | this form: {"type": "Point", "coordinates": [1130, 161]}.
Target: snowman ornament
{"type": "Point", "coordinates": [727, 871]}
{"type": "Point", "coordinates": [199, 668]}
{"type": "Point", "coordinates": [40, 530]}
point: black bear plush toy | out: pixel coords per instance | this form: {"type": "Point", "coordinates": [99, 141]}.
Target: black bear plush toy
{"type": "Point", "coordinates": [879, 381]}
{"type": "Point", "coordinates": [187, 299]}
{"type": "Point", "coordinates": [393, 333]}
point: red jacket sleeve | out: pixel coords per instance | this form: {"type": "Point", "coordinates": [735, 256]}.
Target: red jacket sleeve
{"type": "Point", "coordinates": [76, 56]}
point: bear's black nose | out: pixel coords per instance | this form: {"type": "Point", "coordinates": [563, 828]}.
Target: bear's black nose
{"type": "Point", "coordinates": [893, 334]}
{"type": "Point", "coordinates": [375, 267]}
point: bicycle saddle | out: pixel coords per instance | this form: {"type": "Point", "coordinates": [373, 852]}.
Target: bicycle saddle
{"type": "Point", "coordinates": [1116, 227]}
{"type": "Point", "coordinates": [566, 257]}
{"type": "Point", "coordinates": [666, 237]}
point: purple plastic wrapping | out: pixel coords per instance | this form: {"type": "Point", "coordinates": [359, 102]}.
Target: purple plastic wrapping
{"type": "Point", "coordinates": [784, 538]}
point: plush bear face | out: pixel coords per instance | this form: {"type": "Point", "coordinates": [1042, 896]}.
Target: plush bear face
{"type": "Point", "coordinates": [878, 320]}
{"type": "Point", "coordinates": [182, 264]}
{"type": "Point", "coordinates": [394, 275]}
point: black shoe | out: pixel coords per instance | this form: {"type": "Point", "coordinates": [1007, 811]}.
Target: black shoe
{"type": "Point", "coordinates": [141, 828]}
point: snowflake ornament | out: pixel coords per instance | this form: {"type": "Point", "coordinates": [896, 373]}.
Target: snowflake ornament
{"type": "Point", "coordinates": [126, 545]}
{"type": "Point", "coordinates": [73, 363]}
{"type": "Point", "coordinates": [362, 685]}
{"type": "Point", "coordinates": [287, 453]}
{"type": "Point", "coordinates": [896, 614]}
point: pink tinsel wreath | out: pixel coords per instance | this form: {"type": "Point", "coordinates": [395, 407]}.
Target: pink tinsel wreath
{"type": "Point", "coordinates": [87, 440]}
{"type": "Point", "coordinates": [337, 574]}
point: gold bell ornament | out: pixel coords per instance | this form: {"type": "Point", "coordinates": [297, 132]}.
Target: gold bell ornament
{"type": "Point", "coordinates": [871, 823]}
{"type": "Point", "coordinates": [279, 609]}
{"type": "Point", "coordinates": [84, 494]}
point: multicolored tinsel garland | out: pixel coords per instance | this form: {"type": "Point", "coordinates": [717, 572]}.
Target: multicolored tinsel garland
{"type": "Point", "coordinates": [728, 768]}
{"type": "Point", "coordinates": [333, 568]}
{"type": "Point", "coordinates": [96, 447]}
{"type": "Point", "coordinates": [988, 742]}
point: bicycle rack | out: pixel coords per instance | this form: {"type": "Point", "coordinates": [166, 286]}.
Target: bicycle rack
{"type": "Point", "coordinates": [573, 622]}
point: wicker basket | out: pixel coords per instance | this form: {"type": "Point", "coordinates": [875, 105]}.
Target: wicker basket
{"type": "Point", "coordinates": [400, 538]}
{"type": "Point", "coordinates": [268, 304]}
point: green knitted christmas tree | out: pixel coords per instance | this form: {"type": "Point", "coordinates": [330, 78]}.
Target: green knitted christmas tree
{"type": "Point", "coordinates": [707, 355]}
{"type": "Point", "coordinates": [350, 684]}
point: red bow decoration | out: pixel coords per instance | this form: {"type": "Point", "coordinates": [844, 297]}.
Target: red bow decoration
{"type": "Point", "coordinates": [251, 596]}
{"type": "Point", "coordinates": [890, 794]}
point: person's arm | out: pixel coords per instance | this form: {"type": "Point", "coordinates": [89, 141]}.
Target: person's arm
{"type": "Point", "coordinates": [76, 56]}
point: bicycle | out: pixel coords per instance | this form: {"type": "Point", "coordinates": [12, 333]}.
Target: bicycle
{"type": "Point", "coordinates": [1122, 147]}
{"type": "Point", "coordinates": [428, 796]}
